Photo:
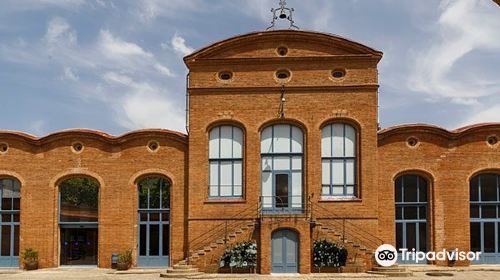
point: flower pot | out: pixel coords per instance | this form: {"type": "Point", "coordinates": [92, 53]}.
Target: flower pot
{"type": "Point", "coordinates": [31, 265]}
{"type": "Point", "coordinates": [122, 266]}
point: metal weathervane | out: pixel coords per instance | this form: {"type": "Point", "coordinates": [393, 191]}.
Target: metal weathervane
{"type": "Point", "coordinates": [283, 13]}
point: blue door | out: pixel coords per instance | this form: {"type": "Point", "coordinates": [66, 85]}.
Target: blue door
{"type": "Point", "coordinates": [10, 194]}
{"type": "Point", "coordinates": [284, 251]}
{"type": "Point", "coordinates": [154, 222]}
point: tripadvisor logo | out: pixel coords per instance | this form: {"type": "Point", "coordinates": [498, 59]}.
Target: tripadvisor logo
{"type": "Point", "coordinates": [387, 255]}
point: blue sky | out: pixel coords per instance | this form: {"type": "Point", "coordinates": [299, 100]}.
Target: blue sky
{"type": "Point", "coordinates": [116, 66]}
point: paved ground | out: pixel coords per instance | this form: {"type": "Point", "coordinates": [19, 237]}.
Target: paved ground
{"type": "Point", "coordinates": [92, 274]}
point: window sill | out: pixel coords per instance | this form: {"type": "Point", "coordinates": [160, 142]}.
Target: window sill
{"type": "Point", "coordinates": [225, 200]}
{"type": "Point", "coordinates": [340, 199]}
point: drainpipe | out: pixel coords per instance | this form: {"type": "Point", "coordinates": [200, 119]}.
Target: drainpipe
{"type": "Point", "coordinates": [187, 103]}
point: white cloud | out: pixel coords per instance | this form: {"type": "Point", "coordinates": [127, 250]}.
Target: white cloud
{"type": "Point", "coordinates": [179, 45]}
{"type": "Point", "coordinates": [70, 74]}
{"type": "Point", "coordinates": [114, 46]}
{"type": "Point", "coordinates": [464, 27]}
{"type": "Point", "coordinates": [38, 127]}
{"type": "Point", "coordinates": [491, 114]}
{"type": "Point", "coordinates": [144, 104]}
{"type": "Point", "coordinates": [60, 32]}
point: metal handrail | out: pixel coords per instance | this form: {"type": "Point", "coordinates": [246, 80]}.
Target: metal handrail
{"type": "Point", "coordinates": [229, 224]}
{"type": "Point", "coordinates": [349, 230]}
{"type": "Point", "coordinates": [277, 203]}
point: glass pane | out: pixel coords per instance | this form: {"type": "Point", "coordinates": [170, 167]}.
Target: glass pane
{"type": "Point", "coordinates": [488, 187]}
{"type": "Point", "coordinates": [349, 172]}
{"type": "Point", "coordinates": [226, 142]}
{"type": "Point", "coordinates": [154, 193]}
{"type": "Point", "coordinates": [165, 194]}
{"type": "Point", "coordinates": [297, 189]}
{"type": "Point", "coordinates": [237, 173]}
{"type": "Point", "coordinates": [297, 139]}
{"type": "Point", "coordinates": [489, 237]}
{"type": "Point", "coordinates": [143, 217]}
{"type": "Point", "coordinates": [154, 240]}
{"type": "Point", "coordinates": [281, 140]}
{"type": "Point", "coordinates": [281, 190]}
{"type": "Point", "coordinates": [281, 163]}
{"type": "Point", "coordinates": [79, 200]}
{"type": "Point", "coordinates": [213, 146]}
{"type": "Point", "coordinates": [338, 172]}
{"type": "Point", "coordinates": [291, 255]}
{"type": "Point", "coordinates": [226, 174]}
{"type": "Point", "coordinates": [238, 190]}
{"type": "Point", "coordinates": [6, 218]}
{"type": "Point", "coordinates": [154, 217]}
{"type": "Point", "coordinates": [143, 197]}
{"type": "Point", "coordinates": [5, 240]}
{"type": "Point", "coordinates": [474, 211]}
{"type": "Point", "coordinates": [399, 236]}
{"type": "Point", "coordinates": [16, 217]}
{"type": "Point", "coordinates": [411, 236]}
{"type": "Point", "coordinates": [488, 211]}
{"type": "Point", "coordinates": [326, 141]}
{"type": "Point", "coordinates": [16, 240]}
{"type": "Point", "coordinates": [349, 190]}
{"type": "Point", "coordinates": [398, 189]}
{"type": "Point", "coordinates": [16, 194]}
{"type": "Point", "coordinates": [267, 188]}
{"type": "Point", "coordinates": [7, 193]}
{"type": "Point", "coordinates": [410, 188]}
{"type": "Point", "coordinates": [338, 190]}
{"type": "Point", "coordinates": [422, 213]}
{"type": "Point", "coordinates": [325, 190]}
{"type": "Point", "coordinates": [474, 186]}
{"type": "Point", "coordinates": [226, 190]}
{"type": "Point", "coordinates": [410, 213]}
{"type": "Point", "coordinates": [142, 240]}
{"type": "Point", "coordinates": [266, 140]}
{"type": "Point", "coordinates": [214, 173]}
{"type": "Point", "coordinates": [350, 141]}
{"type": "Point", "coordinates": [237, 142]}
{"type": "Point", "coordinates": [165, 217]}
{"type": "Point", "coordinates": [297, 163]}
{"type": "Point", "coordinates": [422, 189]}
{"type": "Point", "coordinates": [338, 140]}
{"type": "Point", "coordinates": [422, 237]}
{"type": "Point", "coordinates": [166, 241]}
{"type": "Point", "coordinates": [475, 237]}
{"type": "Point", "coordinates": [214, 190]}
{"type": "Point", "coordinates": [325, 172]}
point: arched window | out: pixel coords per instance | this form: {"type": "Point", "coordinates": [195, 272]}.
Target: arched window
{"type": "Point", "coordinates": [338, 160]}
{"type": "Point", "coordinates": [10, 192]}
{"type": "Point", "coordinates": [484, 216]}
{"type": "Point", "coordinates": [226, 161]}
{"type": "Point", "coordinates": [154, 221]}
{"type": "Point", "coordinates": [78, 221]}
{"type": "Point", "coordinates": [281, 167]}
{"type": "Point", "coordinates": [411, 212]}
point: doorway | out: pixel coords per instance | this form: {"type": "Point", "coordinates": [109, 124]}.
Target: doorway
{"type": "Point", "coordinates": [79, 246]}
{"type": "Point", "coordinates": [284, 251]}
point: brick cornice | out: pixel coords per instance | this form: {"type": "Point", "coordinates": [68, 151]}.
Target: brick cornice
{"type": "Point", "coordinates": [289, 89]}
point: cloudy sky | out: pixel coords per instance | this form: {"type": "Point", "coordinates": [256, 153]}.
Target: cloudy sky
{"type": "Point", "coordinates": [117, 65]}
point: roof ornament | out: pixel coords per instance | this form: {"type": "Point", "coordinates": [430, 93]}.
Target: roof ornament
{"type": "Point", "coordinates": [282, 13]}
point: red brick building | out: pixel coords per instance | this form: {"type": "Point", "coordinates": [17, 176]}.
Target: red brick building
{"type": "Point", "coordinates": [283, 148]}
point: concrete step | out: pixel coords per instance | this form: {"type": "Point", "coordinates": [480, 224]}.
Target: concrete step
{"type": "Point", "coordinates": [392, 273]}
{"type": "Point", "coordinates": [182, 270]}
{"type": "Point", "coordinates": [179, 275]}
{"type": "Point", "coordinates": [183, 265]}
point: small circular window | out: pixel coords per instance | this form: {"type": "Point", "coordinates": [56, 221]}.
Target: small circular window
{"type": "Point", "coordinates": [77, 147]}
{"type": "Point", "coordinates": [338, 73]}
{"type": "Point", "coordinates": [412, 142]}
{"type": "Point", "coordinates": [283, 74]}
{"type": "Point", "coordinates": [282, 51]}
{"type": "Point", "coordinates": [153, 146]}
{"type": "Point", "coordinates": [492, 140]}
{"type": "Point", "coordinates": [4, 147]}
{"type": "Point", "coordinates": [225, 75]}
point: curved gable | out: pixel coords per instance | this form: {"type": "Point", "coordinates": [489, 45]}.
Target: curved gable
{"type": "Point", "coordinates": [299, 43]}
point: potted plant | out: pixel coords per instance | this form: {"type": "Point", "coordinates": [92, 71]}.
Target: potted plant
{"type": "Point", "coordinates": [328, 256]}
{"type": "Point", "coordinates": [124, 260]}
{"type": "Point", "coordinates": [242, 258]}
{"type": "Point", "coordinates": [30, 257]}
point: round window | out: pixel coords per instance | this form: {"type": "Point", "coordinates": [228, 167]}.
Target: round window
{"type": "Point", "coordinates": [153, 146]}
{"type": "Point", "coordinates": [283, 74]}
{"type": "Point", "coordinates": [282, 51]}
{"type": "Point", "coordinates": [338, 73]}
{"type": "Point", "coordinates": [225, 75]}
{"type": "Point", "coordinates": [412, 141]}
{"type": "Point", "coordinates": [492, 140]}
{"type": "Point", "coordinates": [4, 147]}
{"type": "Point", "coordinates": [77, 147]}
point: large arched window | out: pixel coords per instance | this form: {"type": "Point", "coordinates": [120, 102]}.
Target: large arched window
{"type": "Point", "coordinates": [10, 192]}
{"type": "Point", "coordinates": [484, 216]}
{"type": "Point", "coordinates": [411, 212]}
{"type": "Point", "coordinates": [338, 160]}
{"type": "Point", "coordinates": [78, 221]}
{"type": "Point", "coordinates": [154, 221]}
{"type": "Point", "coordinates": [226, 161]}
{"type": "Point", "coordinates": [281, 167]}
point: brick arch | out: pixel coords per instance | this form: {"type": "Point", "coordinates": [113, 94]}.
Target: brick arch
{"type": "Point", "coordinates": [425, 174]}
{"type": "Point", "coordinates": [347, 120]}
{"type": "Point", "coordinates": [151, 172]}
{"type": "Point", "coordinates": [289, 121]}
{"type": "Point", "coordinates": [480, 171]}
{"type": "Point", "coordinates": [4, 174]}
{"type": "Point", "coordinates": [233, 122]}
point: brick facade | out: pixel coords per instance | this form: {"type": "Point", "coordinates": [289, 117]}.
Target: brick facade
{"type": "Point", "coordinates": [251, 100]}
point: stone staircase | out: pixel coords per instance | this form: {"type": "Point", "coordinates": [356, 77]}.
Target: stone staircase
{"type": "Point", "coordinates": [392, 271]}
{"type": "Point", "coordinates": [359, 259]}
{"type": "Point", "coordinates": [207, 257]}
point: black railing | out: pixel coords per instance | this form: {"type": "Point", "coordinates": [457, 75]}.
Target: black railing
{"type": "Point", "coordinates": [347, 229]}
{"type": "Point", "coordinates": [222, 230]}
{"type": "Point", "coordinates": [273, 204]}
